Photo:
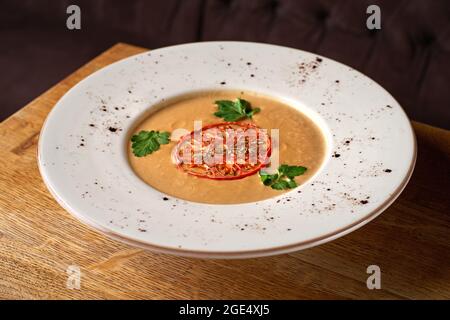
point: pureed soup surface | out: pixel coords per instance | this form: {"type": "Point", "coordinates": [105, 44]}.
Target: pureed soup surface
{"type": "Point", "coordinates": [300, 143]}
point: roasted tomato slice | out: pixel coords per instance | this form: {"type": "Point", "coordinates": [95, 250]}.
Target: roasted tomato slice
{"type": "Point", "coordinates": [223, 151]}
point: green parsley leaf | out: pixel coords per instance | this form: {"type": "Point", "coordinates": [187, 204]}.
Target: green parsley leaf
{"type": "Point", "coordinates": [291, 171]}
{"type": "Point", "coordinates": [280, 185]}
{"type": "Point", "coordinates": [235, 110]}
{"type": "Point", "coordinates": [268, 179]}
{"type": "Point", "coordinates": [284, 179]}
{"type": "Point", "coordinates": [292, 184]}
{"type": "Point", "coordinates": [146, 142]}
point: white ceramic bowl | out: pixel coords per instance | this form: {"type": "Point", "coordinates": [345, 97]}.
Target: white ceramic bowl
{"type": "Point", "coordinates": [370, 157]}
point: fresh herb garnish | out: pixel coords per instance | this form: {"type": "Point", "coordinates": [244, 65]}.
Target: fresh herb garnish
{"type": "Point", "coordinates": [235, 110]}
{"type": "Point", "coordinates": [284, 178]}
{"type": "Point", "coordinates": [146, 142]}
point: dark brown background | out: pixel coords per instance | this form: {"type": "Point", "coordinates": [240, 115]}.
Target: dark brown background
{"type": "Point", "coordinates": [409, 56]}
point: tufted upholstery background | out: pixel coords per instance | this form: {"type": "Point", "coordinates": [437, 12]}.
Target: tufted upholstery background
{"type": "Point", "coordinates": [409, 56]}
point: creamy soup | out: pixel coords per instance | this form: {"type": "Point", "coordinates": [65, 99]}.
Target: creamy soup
{"type": "Point", "coordinates": [301, 143]}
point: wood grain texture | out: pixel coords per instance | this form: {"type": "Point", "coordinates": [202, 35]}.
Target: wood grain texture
{"type": "Point", "coordinates": [38, 239]}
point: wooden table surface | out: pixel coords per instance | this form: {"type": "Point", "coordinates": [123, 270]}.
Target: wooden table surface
{"type": "Point", "coordinates": [410, 241]}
